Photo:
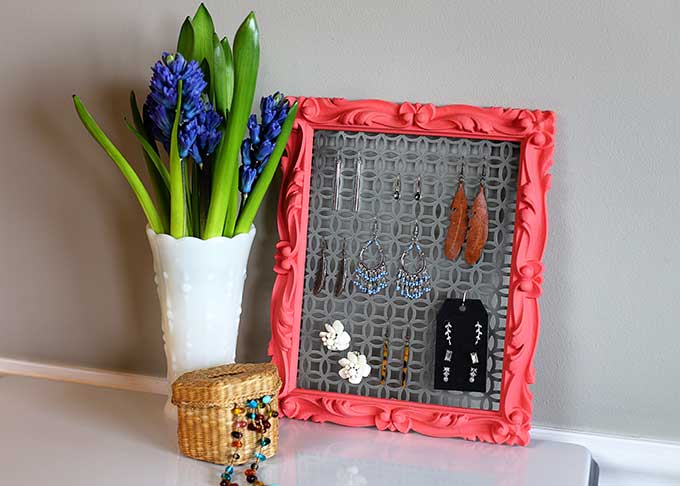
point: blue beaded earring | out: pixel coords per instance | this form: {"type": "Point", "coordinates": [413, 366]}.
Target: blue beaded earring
{"type": "Point", "coordinates": [367, 279]}
{"type": "Point", "coordinates": [413, 285]}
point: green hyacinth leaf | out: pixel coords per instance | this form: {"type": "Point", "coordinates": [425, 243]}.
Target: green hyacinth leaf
{"type": "Point", "coordinates": [185, 42]}
{"type": "Point", "coordinates": [220, 77]}
{"type": "Point", "coordinates": [125, 168]}
{"type": "Point", "coordinates": [229, 70]}
{"type": "Point", "coordinates": [157, 170]}
{"type": "Point", "coordinates": [204, 29]}
{"type": "Point", "coordinates": [254, 201]}
{"type": "Point", "coordinates": [225, 180]}
{"type": "Point", "coordinates": [156, 163]}
{"type": "Point", "coordinates": [177, 196]}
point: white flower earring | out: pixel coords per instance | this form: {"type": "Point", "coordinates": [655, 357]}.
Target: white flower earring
{"type": "Point", "coordinates": [335, 338]}
{"type": "Point", "coordinates": [354, 367]}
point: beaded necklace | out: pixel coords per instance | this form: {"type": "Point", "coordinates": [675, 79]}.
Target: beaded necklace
{"type": "Point", "coordinates": [254, 417]}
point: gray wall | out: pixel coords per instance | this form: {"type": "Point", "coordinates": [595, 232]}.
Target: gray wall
{"type": "Point", "coordinates": [76, 287]}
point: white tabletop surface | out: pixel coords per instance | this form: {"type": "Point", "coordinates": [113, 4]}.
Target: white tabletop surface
{"type": "Point", "coordinates": [60, 434]}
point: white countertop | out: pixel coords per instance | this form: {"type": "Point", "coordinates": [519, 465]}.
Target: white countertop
{"type": "Point", "coordinates": [58, 434]}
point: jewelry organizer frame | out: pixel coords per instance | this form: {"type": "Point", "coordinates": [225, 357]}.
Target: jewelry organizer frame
{"type": "Point", "coordinates": [534, 131]}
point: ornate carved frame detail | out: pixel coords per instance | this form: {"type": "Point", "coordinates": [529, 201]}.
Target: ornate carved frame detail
{"type": "Point", "coordinates": [534, 130]}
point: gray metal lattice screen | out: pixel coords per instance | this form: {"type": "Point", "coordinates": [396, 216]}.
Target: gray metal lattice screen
{"type": "Point", "coordinates": [368, 319]}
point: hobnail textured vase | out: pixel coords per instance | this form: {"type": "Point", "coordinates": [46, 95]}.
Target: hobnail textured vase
{"type": "Point", "coordinates": [200, 288]}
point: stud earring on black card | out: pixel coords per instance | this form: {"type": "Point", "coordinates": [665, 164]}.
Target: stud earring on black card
{"type": "Point", "coordinates": [320, 279]}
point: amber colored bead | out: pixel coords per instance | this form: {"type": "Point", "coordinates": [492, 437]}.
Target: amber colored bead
{"type": "Point", "coordinates": [237, 411]}
{"type": "Point", "coordinates": [236, 434]}
{"type": "Point", "coordinates": [241, 424]}
{"type": "Point", "coordinates": [258, 483]}
{"type": "Point", "coordinates": [237, 444]}
{"type": "Point", "coordinates": [251, 479]}
{"type": "Point", "coordinates": [274, 413]}
{"type": "Point", "coordinates": [250, 472]}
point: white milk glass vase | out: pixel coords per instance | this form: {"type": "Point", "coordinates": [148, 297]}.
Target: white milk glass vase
{"type": "Point", "coordinates": [200, 288]}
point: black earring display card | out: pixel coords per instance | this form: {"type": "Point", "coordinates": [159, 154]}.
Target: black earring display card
{"type": "Point", "coordinates": [387, 326]}
{"type": "Point", "coordinates": [460, 353]}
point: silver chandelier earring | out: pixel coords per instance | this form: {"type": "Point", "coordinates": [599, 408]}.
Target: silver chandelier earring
{"type": "Point", "coordinates": [371, 279]}
{"type": "Point", "coordinates": [413, 285]}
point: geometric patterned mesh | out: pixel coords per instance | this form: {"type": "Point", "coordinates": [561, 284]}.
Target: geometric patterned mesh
{"type": "Point", "coordinates": [369, 318]}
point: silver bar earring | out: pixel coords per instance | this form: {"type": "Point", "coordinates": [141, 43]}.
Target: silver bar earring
{"type": "Point", "coordinates": [338, 181]}
{"type": "Point", "coordinates": [396, 187]}
{"type": "Point", "coordinates": [357, 184]}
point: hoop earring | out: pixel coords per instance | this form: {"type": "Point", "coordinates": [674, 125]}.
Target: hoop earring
{"type": "Point", "coordinates": [371, 280]}
{"type": "Point", "coordinates": [413, 285]}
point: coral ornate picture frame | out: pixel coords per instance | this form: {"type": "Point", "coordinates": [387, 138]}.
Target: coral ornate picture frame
{"type": "Point", "coordinates": [506, 416]}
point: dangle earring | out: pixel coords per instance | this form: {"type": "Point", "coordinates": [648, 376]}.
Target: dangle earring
{"type": "Point", "coordinates": [338, 182]}
{"type": "Point", "coordinates": [419, 187]}
{"type": "Point", "coordinates": [357, 184]}
{"type": "Point", "coordinates": [413, 285]}
{"type": "Point", "coordinates": [341, 279]}
{"type": "Point", "coordinates": [320, 280]}
{"type": "Point", "coordinates": [385, 356]}
{"type": "Point", "coordinates": [406, 356]}
{"type": "Point", "coordinates": [455, 235]}
{"type": "Point", "coordinates": [396, 188]}
{"type": "Point", "coordinates": [479, 224]}
{"type": "Point", "coordinates": [371, 280]}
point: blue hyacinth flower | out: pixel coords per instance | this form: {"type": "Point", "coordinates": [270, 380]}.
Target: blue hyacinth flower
{"type": "Point", "coordinates": [258, 147]}
{"type": "Point", "coordinates": [199, 132]}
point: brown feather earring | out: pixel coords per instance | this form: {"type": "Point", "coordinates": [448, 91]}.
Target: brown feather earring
{"type": "Point", "coordinates": [479, 224]}
{"type": "Point", "coordinates": [455, 236]}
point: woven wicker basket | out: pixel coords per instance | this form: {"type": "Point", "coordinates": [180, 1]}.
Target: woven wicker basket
{"type": "Point", "coordinates": [205, 399]}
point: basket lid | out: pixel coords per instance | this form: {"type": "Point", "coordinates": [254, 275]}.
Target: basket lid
{"type": "Point", "coordinates": [224, 386]}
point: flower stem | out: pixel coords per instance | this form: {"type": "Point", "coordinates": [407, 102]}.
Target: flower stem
{"type": "Point", "coordinates": [177, 196]}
